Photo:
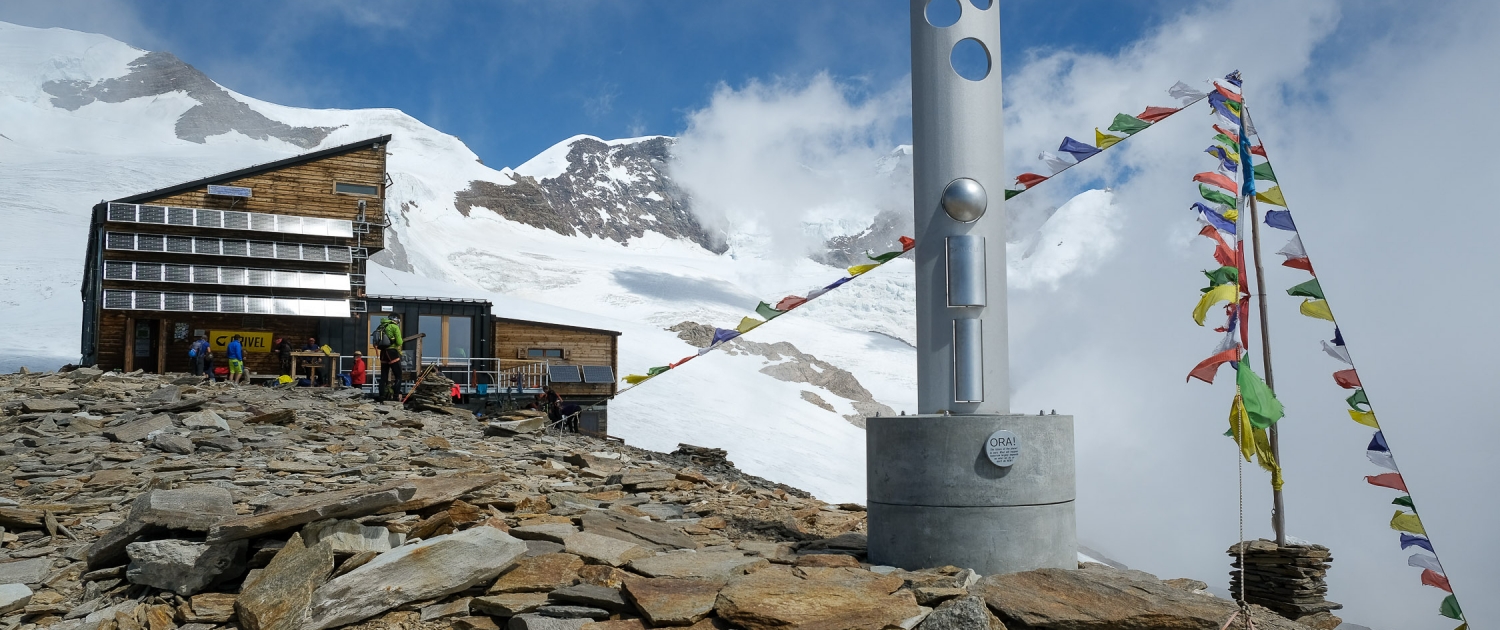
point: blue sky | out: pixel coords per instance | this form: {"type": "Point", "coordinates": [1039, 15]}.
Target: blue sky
{"type": "Point", "coordinates": [512, 78]}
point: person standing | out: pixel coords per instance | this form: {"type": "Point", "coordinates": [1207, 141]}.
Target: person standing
{"type": "Point", "coordinates": [235, 352]}
{"type": "Point", "coordinates": [388, 338]}
{"type": "Point", "coordinates": [357, 373]}
{"type": "Point", "coordinates": [198, 352]}
{"type": "Point", "coordinates": [554, 403]}
{"type": "Point", "coordinates": [283, 350]}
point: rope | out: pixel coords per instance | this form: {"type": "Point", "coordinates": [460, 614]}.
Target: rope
{"type": "Point", "coordinates": [1240, 545]}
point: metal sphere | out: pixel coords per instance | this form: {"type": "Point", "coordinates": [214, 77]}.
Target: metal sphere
{"type": "Point", "coordinates": [965, 200]}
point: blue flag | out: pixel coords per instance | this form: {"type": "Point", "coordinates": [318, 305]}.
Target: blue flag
{"type": "Point", "coordinates": [1408, 540]}
{"type": "Point", "coordinates": [1234, 78]}
{"type": "Point", "coordinates": [1215, 219]}
{"type": "Point", "coordinates": [1377, 443]}
{"type": "Point", "coordinates": [722, 335]}
{"type": "Point", "coordinates": [1217, 100]}
{"type": "Point", "coordinates": [1248, 189]}
{"type": "Point", "coordinates": [1280, 219]}
{"type": "Point", "coordinates": [1079, 150]}
{"type": "Point", "coordinates": [1338, 337]}
{"type": "Point", "coordinates": [1224, 160]}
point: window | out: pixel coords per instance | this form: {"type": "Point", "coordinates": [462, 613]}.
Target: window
{"type": "Point", "coordinates": [544, 353]}
{"type": "Point", "coordinates": [342, 188]}
{"type": "Point", "coordinates": [448, 337]}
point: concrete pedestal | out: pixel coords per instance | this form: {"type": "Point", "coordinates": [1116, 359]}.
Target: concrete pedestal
{"type": "Point", "coordinates": [936, 499]}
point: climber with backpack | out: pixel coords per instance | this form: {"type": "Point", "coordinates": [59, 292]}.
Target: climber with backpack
{"type": "Point", "coordinates": [199, 353]}
{"type": "Point", "coordinates": [387, 337]}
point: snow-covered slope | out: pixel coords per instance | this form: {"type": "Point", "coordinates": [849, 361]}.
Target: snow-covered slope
{"type": "Point", "coordinates": [590, 232]}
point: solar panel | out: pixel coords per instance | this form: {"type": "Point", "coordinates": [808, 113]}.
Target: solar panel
{"type": "Point", "coordinates": [152, 214]}
{"type": "Point", "coordinates": [564, 374]}
{"type": "Point", "coordinates": [180, 216]}
{"type": "Point", "coordinates": [232, 275]}
{"type": "Point", "coordinates": [262, 249]}
{"type": "Point", "coordinates": [289, 224]}
{"type": "Point", "coordinates": [232, 303]}
{"type": "Point", "coordinates": [236, 248]}
{"type": "Point", "coordinates": [258, 305]}
{"type": "Point", "coordinates": [260, 278]}
{"type": "Point", "coordinates": [237, 220]}
{"type": "Point", "coordinates": [205, 275]}
{"type": "Point", "coordinates": [150, 272]}
{"type": "Point", "coordinates": [148, 300]}
{"type": "Point", "coordinates": [310, 308]}
{"type": "Point", "coordinates": [342, 228]}
{"type": "Point", "coordinates": [150, 243]}
{"type": "Point", "coordinates": [288, 251]}
{"type": "Point", "coordinates": [206, 302]}
{"type": "Point", "coordinates": [116, 240]}
{"type": "Point", "coordinates": [263, 222]}
{"type": "Point", "coordinates": [177, 273]}
{"type": "Point", "coordinates": [122, 212]}
{"type": "Point", "coordinates": [338, 254]}
{"type": "Point", "coordinates": [598, 374]}
{"type": "Point", "coordinates": [316, 227]}
{"type": "Point", "coordinates": [210, 218]}
{"type": "Point", "coordinates": [115, 270]}
{"type": "Point", "coordinates": [177, 301]}
{"type": "Point", "coordinates": [285, 306]}
{"type": "Point", "coordinates": [180, 244]}
{"type": "Point", "coordinates": [286, 279]}
{"type": "Point", "coordinates": [314, 252]}
{"type": "Point", "coordinates": [117, 299]}
{"type": "Point", "coordinates": [206, 246]}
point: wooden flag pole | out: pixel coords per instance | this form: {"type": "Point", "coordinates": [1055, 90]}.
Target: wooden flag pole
{"type": "Point", "coordinates": [1278, 515]}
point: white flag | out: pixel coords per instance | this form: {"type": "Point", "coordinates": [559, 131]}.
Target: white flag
{"type": "Point", "coordinates": [1338, 352]}
{"type": "Point", "coordinates": [1424, 561]}
{"type": "Point", "coordinates": [1228, 342]}
{"type": "Point", "coordinates": [1382, 459]}
{"type": "Point", "coordinates": [1054, 162]}
{"type": "Point", "coordinates": [1185, 93]}
{"type": "Point", "coordinates": [1293, 248]}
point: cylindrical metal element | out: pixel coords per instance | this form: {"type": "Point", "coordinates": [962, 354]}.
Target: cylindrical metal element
{"type": "Point", "coordinates": [935, 497]}
{"type": "Point", "coordinates": [959, 181]}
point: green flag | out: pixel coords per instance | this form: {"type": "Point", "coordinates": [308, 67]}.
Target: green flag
{"type": "Point", "coordinates": [1450, 609]}
{"type": "Point", "coordinates": [1404, 502]}
{"type": "Point", "coordinates": [1260, 401]}
{"type": "Point", "coordinates": [1224, 140]}
{"type": "Point", "coordinates": [657, 370]}
{"type": "Point", "coordinates": [1011, 193]}
{"type": "Point", "coordinates": [1357, 399]}
{"type": "Point", "coordinates": [1222, 275]}
{"type": "Point", "coordinates": [1310, 289]}
{"type": "Point", "coordinates": [1128, 124]}
{"type": "Point", "coordinates": [1263, 171]}
{"type": "Point", "coordinates": [1217, 197]}
{"type": "Point", "coordinates": [886, 257]}
{"type": "Point", "coordinates": [766, 312]}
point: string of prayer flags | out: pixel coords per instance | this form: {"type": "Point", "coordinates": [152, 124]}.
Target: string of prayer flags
{"type": "Point", "coordinates": [1222, 275]}
{"type": "Point", "coordinates": [790, 302]}
{"type": "Point", "coordinates": [1227, 160]}
{"type": "Point", "coordinates": [1104, 140]}
{"type": "Point", "coordinates": [1234, 79]}
{"type": "Point", "coordinates": [1407, 522]}
{"type": "Point", "coordinates": [1388, 480]}
{"type": "Point", "coordinates": [1336, 351]}
{"type": "Point", "coordinates": [1317, 309]}
{"type": "Point", "coordinates": [1227, 94]}
{"type": "Point", "coordinates": [1404, 501]}
{"type": "Point", "coordinates": [1356, 399]}
{"type": "Point", "coordinates": [1253, 440]}
{"type": "Point", "coordinates": [1216, 220]}
{"type": "Point", "coordinates": [1263, 171]}
{"type": "Point", "coordinates": [1384, 460]}
{"type": "Point", "coordinates": [1222, 252]}
{"type": "Point", "coordinates": [722, 335]}
{"type": "Point", "coordinates": [765, 311]}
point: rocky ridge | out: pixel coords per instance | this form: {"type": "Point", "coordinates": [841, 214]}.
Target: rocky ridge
{"type": "Point", "coordinates": [142, 502]}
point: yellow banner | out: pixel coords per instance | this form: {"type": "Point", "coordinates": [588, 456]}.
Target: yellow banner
{"type": "Point", "coordinates": [250, 341]}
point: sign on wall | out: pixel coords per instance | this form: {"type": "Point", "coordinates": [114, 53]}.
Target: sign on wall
{"type": "Point", "coordinates": [250, 341]}
{"type": "Point", "coordinates": [1002, 447]}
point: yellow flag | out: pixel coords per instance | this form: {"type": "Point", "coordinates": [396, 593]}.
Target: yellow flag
{"type": "Point", "coordinates": [1366, 418]}
{"type": "Point", "coordinates": [1232, 215]}
{"type": "Point", "coordinates": [634, 379]}
{"type": "Point", "coordinates": [1272, 196]}
{"type": "Point", "coordinates": [1221, 293]}
{"type": "Point", "coordinates": [1267, 458]}
{"type": "Point", "coordinates": [1316, 309]}
{"type": "Point", "coordinates": [859, 269]}
{"type": "Point", "coordinates": [1404, 522]}
{"type": "Point", "coordinates": [1240, 428]}
{"type": "Point", "coordinates": [1104, 140]}
{"type": "Point", "coordinates": [748, 324]}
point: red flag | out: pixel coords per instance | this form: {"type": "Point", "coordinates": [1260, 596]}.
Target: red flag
{"type": "Point", "coordinates": [1222, 253]}
{"type": "Point", "coordinates": [1216, 179]}
{"type": "Point", "coordinates": [1299, 263]}
{"type": "Point", "coordinates": [1155, 114]}
{"type": "Point", "coordinates": [789, 302]}
{"type": "Point", "coordinates": [1388, 480]}
{"type": "Point", "coordinates": [682, 361]}
{"type": "Point", "coordinates": [1258, 150]}
{"type": "Point", "coordinates": [907, 243]}
{"type": "Point", "coordinates": [1347, 379]}
{"type": "Point", "coordinates": [1433, 578]}
{"type": "Point", "coordinates": [1209, 367]}
{"type": "Point", "coordinates": [1244, 322]}
{"type": "Point", "coordinates": [1030, 179]}
{"type": "Point", "coordinates": [1229, 95]}
{"type": "Point", "coordinates": [1232, 135]}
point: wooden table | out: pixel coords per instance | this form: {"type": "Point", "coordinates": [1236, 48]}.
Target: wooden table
{"type": "Point", "coordinates": [320, 360]}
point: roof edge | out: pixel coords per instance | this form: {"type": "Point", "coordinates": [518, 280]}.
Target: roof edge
{"type": "Point", "coordinates": [255, 170]}
{"type": "Point", "coordinates": [513, 320]}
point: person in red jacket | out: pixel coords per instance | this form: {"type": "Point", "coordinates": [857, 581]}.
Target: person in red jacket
{"type": "Point", "coordinates": [357, 373]}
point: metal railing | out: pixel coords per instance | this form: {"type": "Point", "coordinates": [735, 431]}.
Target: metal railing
{"type": "Point", "coordinates": [492, 376]}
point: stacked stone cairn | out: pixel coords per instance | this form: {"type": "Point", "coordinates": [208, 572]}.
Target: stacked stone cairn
{"type": "Point", "coordinates": [1287, 579]}
{"type": "Point", "coordinates": [435, 392]}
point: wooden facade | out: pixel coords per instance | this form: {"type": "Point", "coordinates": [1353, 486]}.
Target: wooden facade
{"type": "Point", "coordinates": [282, 261]}
{"type": "Point", "coordinates": [530, 341]}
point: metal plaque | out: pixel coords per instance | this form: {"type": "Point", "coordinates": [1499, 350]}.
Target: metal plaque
{"type": "Point", "coordinates": [966, 270]}
{"type": "Point", "coordinates": [1002, 447]}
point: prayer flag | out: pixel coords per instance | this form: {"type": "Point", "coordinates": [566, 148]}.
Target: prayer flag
{"type": "Point", "coordinates": [1338, 352]}
{"type": "Point", "coordinates": [1260, 401]}
{"type": "Point", "coordinates": [1309, 289]}
{"type": "Point", "coordinates": [1232, 137]}
{"type": "Point", "coordinates": [1433, 578]}
{"type": "Point", "coordinates": [1403, 502]}
{"type": "Point", "coordinates": [1280, 219]}
{"type": "Point", "coordinates": [1218, 221]}
{"type": "Point", "coordinates": [1377, 443]}
{"type": "Point", "coordinates": [1222, 253]}
{"type": "Point", "coordinates": [1299, 263]}
{"type": "Point", "coordinates": [1104, 140]}
{"type": "Point", "coordinates": [1449, 608]}
{"type": "Point", "coordinates": [1225, 139]}
{"type": "Point", "coordinates": [1054, 162]}
{"type": "Point", "coordinates": [1223, 275]}
{"type": "Point", "coordinates": [1228, 95]}
{"type": "Point", "coordinates": [1240, 428]}
{"type": "Point", "coordinates": [1011, 193]}
{"type": "Point", "coordinates": [1366, 418]}
{"type": "Point", "coordinates": [858, 270]}
{"type": "Point", "coordinates": [886, 257]}
{"type": "Point", "coordinates": [1216, 196]}
{"type": "Point", "coordinates": [1128, 124]}
{"type": "Point", "coordinates": [1227, 343]}
{"type": "Point", "coordinates": [1222, 293]}
{"type": "Point", "coordinates": [1424, 561]}
{"type": "Point", "coordinates": [1347, 379]}
{"type": "Point", "coordinates": [682, 360]}
{"type": "Point", "coordinates": [1234, 79]}
{"type": "Point", "coordinates": [907, 243]}
{"type": "Point", "coordinates": [1418, 541]}
{"type": "Point", "coordinates": [747, 324]}
{"type": "Point", "coordinates": [1228, 159]}
{"type": "Point", "coordinates": [1247, 180]}
{"type": "Point", "coordinates": [1258, 150]}
{"type": "Point", "coordinates": [765, 310]}
{"type": "Point", "coordinates": [791, 301]}
{"type": "Point", "coordinates": [1388, 480]}
{"type": "Point", "coordinates": [1235, 106]}
{"type": "Point", "coordinates": [1266, 458]}
{"type": "Point", "coordinates": [1263, 171]}
{"type": "Point", "coordinates": [1208, 368]}
{"type": "Point", "coordinates": [1028, 180]}
{"type": "Point", "coordinates": [1338, 337]}
{"type": "Point", "coordinates": [1293, 248]}
{"type": "Point", "coordinates": [1184, 92]}
{"type": "Point", "coordinates": [1317, 309]}
{"type": "Point", "coordinates": [1357, 398]}
{"type": "Point", "coordinates": [1272, 196]}
{"type": "Point", "coordinates": [1383, 460]}
{"type": "Point", "coordinates": [1216, 179]}
{"type": "Point", "coordinates": [635, 379]}
{"type": "Point", "coordinates": [1156, 114]}
{"type": "Point", "coordinates": [722, 335]}
{"type": "Point", "coordinates": [1221, 106]}
{"type": "Point", "coordinates": [1406, 522]}
{"type": "Point", "coordinates": [657, 370]}
{"type": "Point", "coordinates": [1078, 150]}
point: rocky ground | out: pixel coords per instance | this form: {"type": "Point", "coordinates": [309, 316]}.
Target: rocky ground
{"type": "Point", "coordinates": [134, 501]}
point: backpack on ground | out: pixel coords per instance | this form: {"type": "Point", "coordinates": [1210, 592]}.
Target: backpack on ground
{"type": "Point", "coordinates": [380, 338]}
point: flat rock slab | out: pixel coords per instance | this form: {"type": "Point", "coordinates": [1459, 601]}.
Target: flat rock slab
{"type": "Point", "coordinates": [300, 510]}
{"type": "Point", "coordinates": [195, 508]}
{"type": "Point", "coordinates": [718, 565]}
{"type": "Point", "coordinates": [507, 428]}
{"type": "Point", "coordinates": [836, 599]}
{"type": "Point", "coordinates": [673, 601]}
{"type": "Point", "coordinates": [655, 536]}
{"type": "Point", "coordinates": [508, 605]}
{"type": "Point", "coordinates": [1098, 597]}
{"type": "Point", "coordinates": [532, 621]}
{"type": "Point", "coordinates": [430, 569]}
{"type": "Point", "coordinates": [592, 595]}
{"type": "Point", "coordinates": [963, 613]}
{"type": "Point", "coordinates": [47, 405]}
{"type": "Point", "coordinates": [349, 537]}
{"type": "Point", "coordinates": [278, 597]}
{"type": "Point", "coordinates": [434, 490]}
{"type": "Point", "coordinates": [603, 549]}
{"type": "Point", "coordinates": [204, 419]}
{"type": "Point", "coordinates": [544, 573]}
{"type": "Point", "coordinates": [13, 597]}
{"type": "Point", "coordinates": [179, 566]}
{"type": "Point", "coordinates": [138, 430]}
{"type": "Point", "coordinates": [31, 571]}
{"type": "Point", "coordinates": [552, 532]}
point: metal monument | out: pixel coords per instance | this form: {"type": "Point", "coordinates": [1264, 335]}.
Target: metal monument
{"type": "Point", "coordinates": [965, 482]}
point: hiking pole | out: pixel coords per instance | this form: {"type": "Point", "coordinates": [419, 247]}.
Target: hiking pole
{"type": "Point", "coordinates": [418, 382]}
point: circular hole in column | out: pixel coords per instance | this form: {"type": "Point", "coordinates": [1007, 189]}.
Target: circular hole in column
{"type": "Point", "coordinates": [981, 4]}
{"type": "Point", "coordinates": [943, 13]}
{"type": "Point", "coordinates": [970, 59]}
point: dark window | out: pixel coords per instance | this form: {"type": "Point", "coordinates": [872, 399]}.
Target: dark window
{"type": "Point", "coordinates": [355, 189]}
{"type": "Point", "coordinates": [541, 353]}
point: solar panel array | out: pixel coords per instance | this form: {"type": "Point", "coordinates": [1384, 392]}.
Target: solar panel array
{"type": "Point", "coordinates": [117, 299]}
{"type": "Point", "coordinates": [598, 374]}
{"type": "Point", "coordinates": [208, 274]}
{"type": "Point", "coordinates": [564, 374]}
{"type": "Point", "coordinates": [229, 220]}
{"type": "Point", "coordinates": [230, 247]}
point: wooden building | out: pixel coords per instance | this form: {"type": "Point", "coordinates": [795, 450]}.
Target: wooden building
{"type": "Point", "coordinates": [580, 362]}
{"type": "Point", "coordinates": [275, 250]}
